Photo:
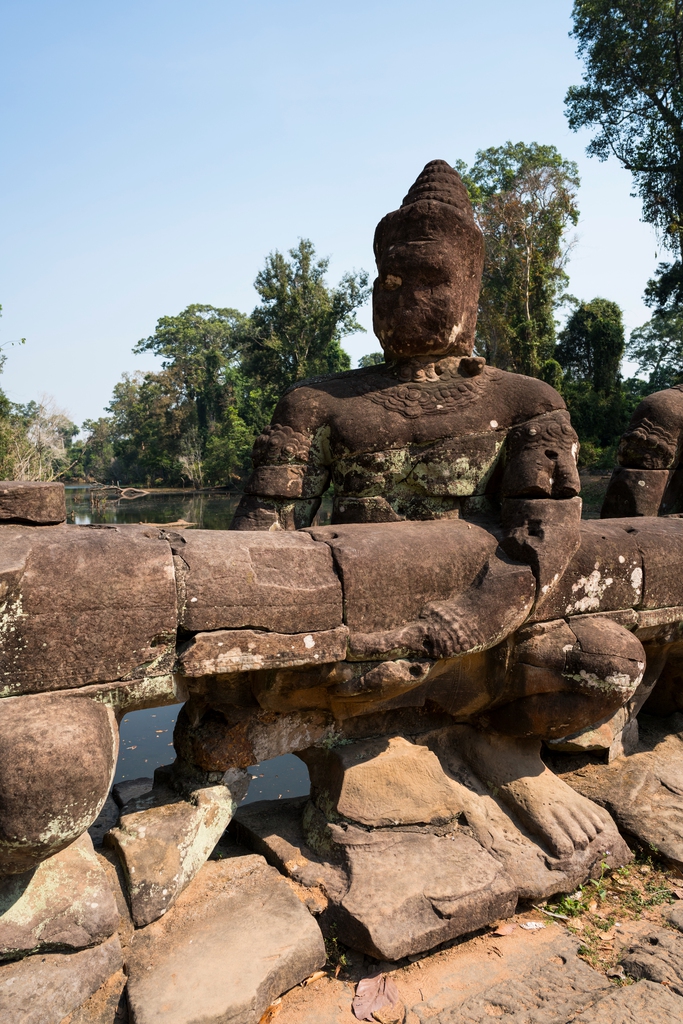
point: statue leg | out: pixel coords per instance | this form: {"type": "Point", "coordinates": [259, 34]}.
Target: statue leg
{"type": "Point", "coordinates": [563, 676]}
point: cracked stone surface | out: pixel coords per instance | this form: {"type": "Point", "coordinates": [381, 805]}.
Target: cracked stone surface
{"type": "Point", "coordinates": [236, 939]}
{"type": "Point", "coordinates": [44, 989]}
{"type": "Point", "coordinates": [163, 838]}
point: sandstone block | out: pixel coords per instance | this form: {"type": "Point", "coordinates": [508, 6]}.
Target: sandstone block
{"type": "Point", "coordinates": [675, 916]}
{"type": "Point", "coordinates": [44, 989]}
{"type": "Point", "coordinates": [40, 504]}
{"type": "Point", "coordinates": [660, 543]}
{"type": "Point", "coordinates": [642, 792]}
{"type": "Point", "coordinates": [658, 956]}
{"type": "Point", "coordinates": [162, 841]}
{"type": "Point", "coordinates": [58, 760]}
{"type": "Point", "coordinates": [410, 891]}
{"type": "Point", "coordinates": [634, 492]}
{"type": "Point", "coordinates": [106, 1006]}
{"type": "Point", "coordinates": [215, 741]}
{"type": "Point", "coordinates": [281, 581]}
{"type": "Point", "coordinates": [66, 903]}
{"type": "Point", "coordinates": [644, 1003]}
{"type": "Point", "coordinates": [84, 605]}
{"type": "Point", "coordinates": [604, 574]}
{"type": "Point", "coordinates": [130, 789]}
{"type": "Point", "coordinates": [382, 782]}
{"type": "Point", "coordinates": [243, 650]}
{"type": "Point", "coordinates": [440, 559]}
{"type": "Point", "coordinates": [236, 939]}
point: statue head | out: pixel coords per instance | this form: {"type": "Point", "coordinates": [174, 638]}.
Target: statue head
{"type": "Point", "coordinates": [430, 256]}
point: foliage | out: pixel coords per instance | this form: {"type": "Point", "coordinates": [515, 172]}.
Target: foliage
{"type": "Point", "coordinates": [221, 373]}
{"type": "Point", "coordinates": [296, 331]}
{"type": "Point", "coordinates": [371, 359]}
{"type": "Point", "coordinates": [36, 441]}
{"type": "Point", "coordinates": [657, 347]}
{"type": "Point", "coordinates": [632, 97]}
{"type": "Point", "coordinates": [524, 198]}
{"type": "Point", "coordinates": [591, 345]}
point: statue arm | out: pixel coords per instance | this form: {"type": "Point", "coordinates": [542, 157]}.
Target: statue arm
{"type": "Point", "coordinates": [291, 471]}
{"type": "Point", "coordinates": [541, 510]}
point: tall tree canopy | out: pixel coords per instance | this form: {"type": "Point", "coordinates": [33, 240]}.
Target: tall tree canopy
{"type": "Point", "coordinates": [525, 199]}
{"type": "Point", "coordinates": [296, 330]}
{"type": "Point", "coordinates": [632, 98]}
{"type": "Point", "coordinates": [591, 345]}
{"type": "Point", "coordinates": [657, 347]}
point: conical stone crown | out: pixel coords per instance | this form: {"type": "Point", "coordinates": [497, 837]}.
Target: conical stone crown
{"type": "Point", "coordinates": [438, 181]}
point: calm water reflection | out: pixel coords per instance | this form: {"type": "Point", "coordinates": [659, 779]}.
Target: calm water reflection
{"type": "Point", "coordinates": [147, 736]}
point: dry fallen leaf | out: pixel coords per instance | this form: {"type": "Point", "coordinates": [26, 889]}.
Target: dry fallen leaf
{"type": "Point", "coordinates": [271, 1013]}
{"type": "Point", "coordinates": [678, 893]}
{"type": "Point", "coordinates": [314, 977]}
{"type": "Point", "coordinates": [373, 993]}
{"type": "Point", "coordinates": [505, 929]}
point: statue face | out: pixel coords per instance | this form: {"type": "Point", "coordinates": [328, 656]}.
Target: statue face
{"type": "Point", "coordinates": [426, 295]}
{"type": "Point", "coordinates": [418, 307]}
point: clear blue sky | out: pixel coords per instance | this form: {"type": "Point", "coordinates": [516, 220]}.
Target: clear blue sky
{"type": "Point", "coordinates": [154, 151]}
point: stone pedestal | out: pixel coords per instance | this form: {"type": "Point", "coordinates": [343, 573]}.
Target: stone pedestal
{"type": "Point", "coordinates": [408, 847]}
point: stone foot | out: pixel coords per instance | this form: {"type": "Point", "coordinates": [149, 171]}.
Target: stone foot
{"type": "Point", "coordinates": [166, 835]}
{"type": "Point", "coordinates": [564, 820]}
{"type": "Point", "coordinates": [402, 847]}
{"type": "Point", "coordinates": [644, 791]}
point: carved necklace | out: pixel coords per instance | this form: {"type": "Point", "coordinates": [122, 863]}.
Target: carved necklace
{"type": "Point", "coordinates": [417, 388]}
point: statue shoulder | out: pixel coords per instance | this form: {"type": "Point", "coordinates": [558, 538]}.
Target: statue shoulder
{"type": "Point", "coordinates": [525, 397]}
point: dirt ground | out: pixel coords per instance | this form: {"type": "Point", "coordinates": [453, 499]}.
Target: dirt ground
{"type": "Point", "coordinates": [596, 923]}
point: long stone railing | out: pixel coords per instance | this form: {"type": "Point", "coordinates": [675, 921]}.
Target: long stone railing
{"type": "Point", "coordinates": [315, 642]}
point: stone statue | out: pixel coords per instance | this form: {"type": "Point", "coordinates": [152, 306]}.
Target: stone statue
{"type": "Point", "coordinates": [436, 434]}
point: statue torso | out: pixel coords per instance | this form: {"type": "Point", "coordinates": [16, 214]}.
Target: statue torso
{"type": "Point", "coordinates": [407, 441]}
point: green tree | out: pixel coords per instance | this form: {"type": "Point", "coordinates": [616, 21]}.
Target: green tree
{"type": "Point", "coordinates": [296, 330]}
{"type": "Point", "coordinates": [657, 347]}
{"type": "Point", "coordinates": [198, 347]}
{"type": "Point", "coordinates": [591, 345]}
{"type": "Point", "coordinates": [371, 359]}
{"type": "Point", "coordinates": [589, 350]}
{"type": "Point", "coordinates": [524, 198]}
{"type": "Point", "coordinates": [632, 98]}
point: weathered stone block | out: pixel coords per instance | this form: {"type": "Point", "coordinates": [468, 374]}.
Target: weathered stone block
{"type": "Point", "coordinates": [382, 782]}
{"type": "Point", "coordinates": [643, 792]}
{"type": "Point", "coordinates": [162, 840]}
{"type": "Point", "coordinates": [215, 741]}
{"type": "Point", "coordinates": [84, 605]}
{"type": "Point", "coordinates": [634, 492]}
{"type": "Point", "coordinates": [605, 573]}
{"type": "Point", "coordinates": [243, 650]}
{"type": "Point", "coordinates": [66, 903]}
{"type": "Point", "coordinates": [46, 988]}
{"type": "Point", "coordinates": [657, 956]}
{"type": "Point", "coordinates": [40, 504]}
{"type": "Point", "coordinates": [236, 939]}
{"type": "Point", "coordinates": [58, 760]}
{"type": "Point", "coordinates": [280, 581]}
{"type": "Point", "coordinates": [410, 891]}
{"type": "Point", "coordinates": [441, 560]}
{"type": "Point", "coordinates": [660, 543]}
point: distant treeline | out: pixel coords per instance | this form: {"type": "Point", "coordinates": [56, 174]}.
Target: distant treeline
{"type": "Point", "coordinates": [193, 423]}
